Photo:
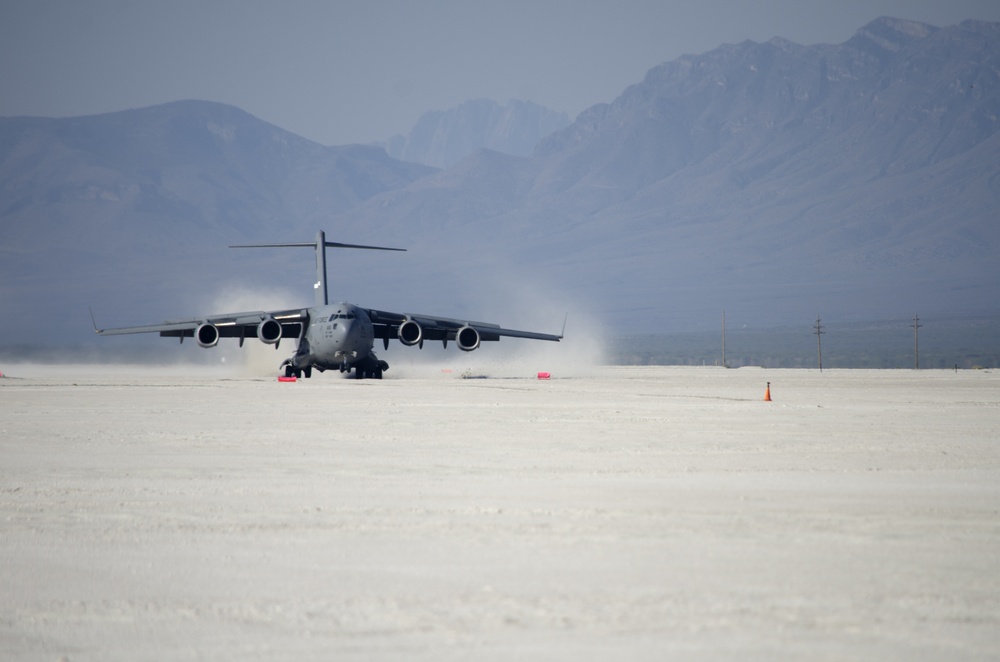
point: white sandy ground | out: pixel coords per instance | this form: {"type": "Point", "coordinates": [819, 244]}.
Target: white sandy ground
{"type": "Point", "coordinates": [632, 514]}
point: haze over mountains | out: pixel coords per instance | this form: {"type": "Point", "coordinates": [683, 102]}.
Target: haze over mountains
{"type": "Point", "coordinates": [442, 138]}
{"type": "Point", "coordinates": [773, 180]}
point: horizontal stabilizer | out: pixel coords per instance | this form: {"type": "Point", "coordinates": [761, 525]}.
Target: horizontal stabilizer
{"type": "Point", "coordinates": [321, 244]}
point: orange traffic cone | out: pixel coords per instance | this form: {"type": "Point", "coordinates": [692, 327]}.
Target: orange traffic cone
{"type": "Point", "coordinates": [767, 393]}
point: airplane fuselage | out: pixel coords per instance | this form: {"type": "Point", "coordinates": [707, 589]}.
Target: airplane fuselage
{"type": "Point", "coordinates": [338, 336]}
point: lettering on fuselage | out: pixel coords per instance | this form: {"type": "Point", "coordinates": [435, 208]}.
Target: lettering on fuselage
{"type": "Point", "coordinates": [332, 324]}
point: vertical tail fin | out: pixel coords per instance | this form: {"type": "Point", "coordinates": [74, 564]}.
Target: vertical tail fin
{"type": "Point", "coordinates": [321, 244]}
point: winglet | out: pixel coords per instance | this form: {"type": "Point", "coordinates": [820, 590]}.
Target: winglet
{"type": "Point", "coordinates": [562, 334]}
{"type": "Point", "coordinates": [94, 321]}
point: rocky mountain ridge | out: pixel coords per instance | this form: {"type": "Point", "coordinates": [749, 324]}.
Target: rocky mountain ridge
{"type": "Point", "coordinates": [442, 138]}
{"type": "Point", "coordinates": [852, 178]}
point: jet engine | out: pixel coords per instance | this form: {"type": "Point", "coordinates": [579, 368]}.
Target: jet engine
{"type": "Point", "coordinates": [467, 339]}
{"type": "Point", "coordinates": [269, 331]}
{"type": "Point", "coordinates": [410, 333]}
{"type": "Point", "coordinates": [207, 335]}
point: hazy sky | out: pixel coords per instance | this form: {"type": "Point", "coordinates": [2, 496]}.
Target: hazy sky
{"type": "Point", "coordinates": [350, 71]}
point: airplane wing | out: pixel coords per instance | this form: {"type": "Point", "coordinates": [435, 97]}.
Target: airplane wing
{"type": "Point", "coordinates": [414, 328]}
{"type": "Point", "coordinates": [268, 326]}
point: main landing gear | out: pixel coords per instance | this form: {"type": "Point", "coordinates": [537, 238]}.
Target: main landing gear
{"type": "Point", "coordinates": [365, 370]}
{"type": "Point", "coordinates": [298, 373]}
{"type": "Point", "coordinates": [368, 371]}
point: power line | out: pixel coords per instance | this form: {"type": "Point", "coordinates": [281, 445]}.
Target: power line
{"type": "Point", "coordinates": [724, 339]}
{"type": "Point", "coordinates": [819, 343]}
{"type": "Point", "coordinates": [916, 346]}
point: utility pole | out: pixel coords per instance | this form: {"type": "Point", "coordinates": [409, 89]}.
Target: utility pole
{"type": "Point", "coordinates": [723, 338]}
{"type": "Point", "coordinates": [916, 347]}
{"type": "Point", "coordinates": [819, 342]}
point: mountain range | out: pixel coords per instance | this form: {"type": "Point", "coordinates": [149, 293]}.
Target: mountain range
{"type": "Point", "coordinates": [772, 180]}
{"type": "Point", "coordinates": [442, 138]}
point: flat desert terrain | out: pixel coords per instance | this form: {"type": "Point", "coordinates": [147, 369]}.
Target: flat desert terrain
{"type": "Point", "coordinates": [631, 513]}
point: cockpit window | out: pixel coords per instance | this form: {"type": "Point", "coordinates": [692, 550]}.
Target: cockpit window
{"type": "Point", "coordinates": [341, 316]}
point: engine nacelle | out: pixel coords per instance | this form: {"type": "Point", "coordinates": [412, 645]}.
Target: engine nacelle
{"type": "Point", "coordinates": [269, 331]}
{"type": "Point", "coordinates": [207, 335]}
{"type": "Point", "coordinates": [410, 333]}
{"type": "Point", "coordinates": [467, 339]}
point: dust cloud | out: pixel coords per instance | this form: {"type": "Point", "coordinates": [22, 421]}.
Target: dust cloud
{"type": "Point", "coordinates": [254, 359]}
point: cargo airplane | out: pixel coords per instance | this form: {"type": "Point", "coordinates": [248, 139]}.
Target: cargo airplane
{"type": "Point", "coordinates": [338, 336]}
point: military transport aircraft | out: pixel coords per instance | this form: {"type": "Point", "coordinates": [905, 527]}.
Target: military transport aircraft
{"type": "Point", "coordinates": [337, 336]}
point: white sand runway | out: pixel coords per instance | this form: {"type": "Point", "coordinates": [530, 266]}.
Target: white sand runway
{"type": "Point", "coordinates": [636, 514]}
